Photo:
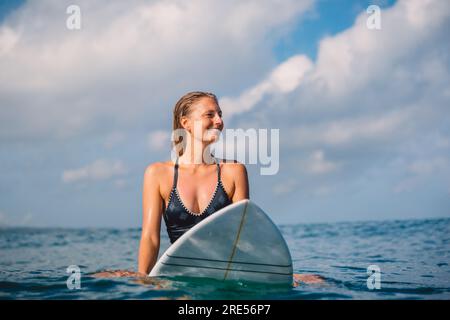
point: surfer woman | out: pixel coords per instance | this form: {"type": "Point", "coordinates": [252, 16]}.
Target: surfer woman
{"type": "Point", "coordinates": [196, 185]}
{"type": "Point", "coordinates": [192, 188]}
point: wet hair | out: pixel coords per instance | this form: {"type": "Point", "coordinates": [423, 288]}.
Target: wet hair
{"type": "Point", "coordinates": [183, 108]}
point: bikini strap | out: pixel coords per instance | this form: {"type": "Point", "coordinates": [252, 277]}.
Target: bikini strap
{"type": "Point", "coordinates": [175, 174]}
{"type": "Point", "coordinates": [218, 169]}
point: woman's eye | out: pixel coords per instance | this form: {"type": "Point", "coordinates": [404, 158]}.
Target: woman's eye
{"type": "Point", "coordinates": [211, 115]}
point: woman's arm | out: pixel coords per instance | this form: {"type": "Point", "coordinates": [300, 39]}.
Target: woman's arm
{"type": "Point", "coordinates": [241, 189]}
{"type": "Point", "coordinates": [151, 220]}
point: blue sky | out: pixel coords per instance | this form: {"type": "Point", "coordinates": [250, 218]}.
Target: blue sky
{"type": "Point", "coordinates": [363, 114]}
{"type": "Point", "coordinates": [326, 17]}
{"type": "Point", "coordinates": [6, 7]}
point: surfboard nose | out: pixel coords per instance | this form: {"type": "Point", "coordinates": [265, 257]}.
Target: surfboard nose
{"type": "Point", "coordinates": [246, 201]}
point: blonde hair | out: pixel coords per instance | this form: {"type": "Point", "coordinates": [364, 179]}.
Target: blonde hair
{"type": "Point", "coordinates": [183, 108]}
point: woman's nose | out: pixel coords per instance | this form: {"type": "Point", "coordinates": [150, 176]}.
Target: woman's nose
{"type": "Point", "coordinates": [218, 120]}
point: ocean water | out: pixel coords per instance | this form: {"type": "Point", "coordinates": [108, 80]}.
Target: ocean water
{"type": "Point", "coordinates": [413, 257]}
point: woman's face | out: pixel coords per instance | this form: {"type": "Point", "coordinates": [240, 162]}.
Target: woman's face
{"type": "Point", "coordinates": [204, 121]}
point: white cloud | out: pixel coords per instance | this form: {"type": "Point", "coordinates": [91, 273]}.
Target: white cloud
{"type": "Point", "coordinates": [248, 16]}
{"type": "Point", "coordinates": [114, 138]}
{"type": "Point", "coordinates": [406, 185]}
{"type": "Point", "coordinates": [285, 187]}
{"type": "Point", "coordinates": [283, 79]}
{"type": "Point", "coordinates": [159, 140]}
{"type": "Point", "coordinates": [25, 220]}
{"type": "Point", "coordinates": [317, 164]}
{"type": "Point", "coordinates": [359, 61]}
{"type": "Point", "coordinates": [371, 96]}
{"type": "Point", "coordinates": [100, 169]}
{"type": "Point", "coordinates": [350, 130]}
{"type": "Point", "coordinates": [442, 142]}
{"type": "Point", "coordinates": [421, 170]}
{"type": "Point", "coordinates": [125, 60]}
{"type": "Point", "coordinates": [352, 59]}
{"type": "Point", "coordinates": [120, 183]}
{"type": "Point", "coordinates": [8, 39]}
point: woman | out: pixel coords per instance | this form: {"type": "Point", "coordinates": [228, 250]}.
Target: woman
{"type": "Point", "coordinates": [194, 186]}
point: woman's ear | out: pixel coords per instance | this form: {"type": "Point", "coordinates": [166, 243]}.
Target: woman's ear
{"type": "Point", "coordinates": [184, 121]}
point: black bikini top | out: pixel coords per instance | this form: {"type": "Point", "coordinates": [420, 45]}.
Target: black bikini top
{"type": "Point", "coordinates": [180, 219]}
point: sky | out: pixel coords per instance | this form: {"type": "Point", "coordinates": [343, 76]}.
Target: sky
{"type": "Point", "coordinates": [363, 114]}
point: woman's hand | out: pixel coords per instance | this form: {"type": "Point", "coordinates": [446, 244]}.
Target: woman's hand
{"type": "Point", "coordinates": [307, 278]}
{"type": "Point", "coordinates": [117, 274]}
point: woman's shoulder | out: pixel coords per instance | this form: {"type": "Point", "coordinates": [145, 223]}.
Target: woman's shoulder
{"type": "Point", "coordinates": [233, 166]}
{"type": "Point", "coordinates": [157, 169]}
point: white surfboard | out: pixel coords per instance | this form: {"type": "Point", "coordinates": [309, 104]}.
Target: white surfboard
{"type": "Point", "coordinates": [239, 242]}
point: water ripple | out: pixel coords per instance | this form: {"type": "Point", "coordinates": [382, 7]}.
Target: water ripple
{"type": "Point", "coordinates": [413, 257]}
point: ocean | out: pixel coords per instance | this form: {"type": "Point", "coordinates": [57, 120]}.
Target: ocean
{"type": "Point", "coordinates": [411, 258]}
